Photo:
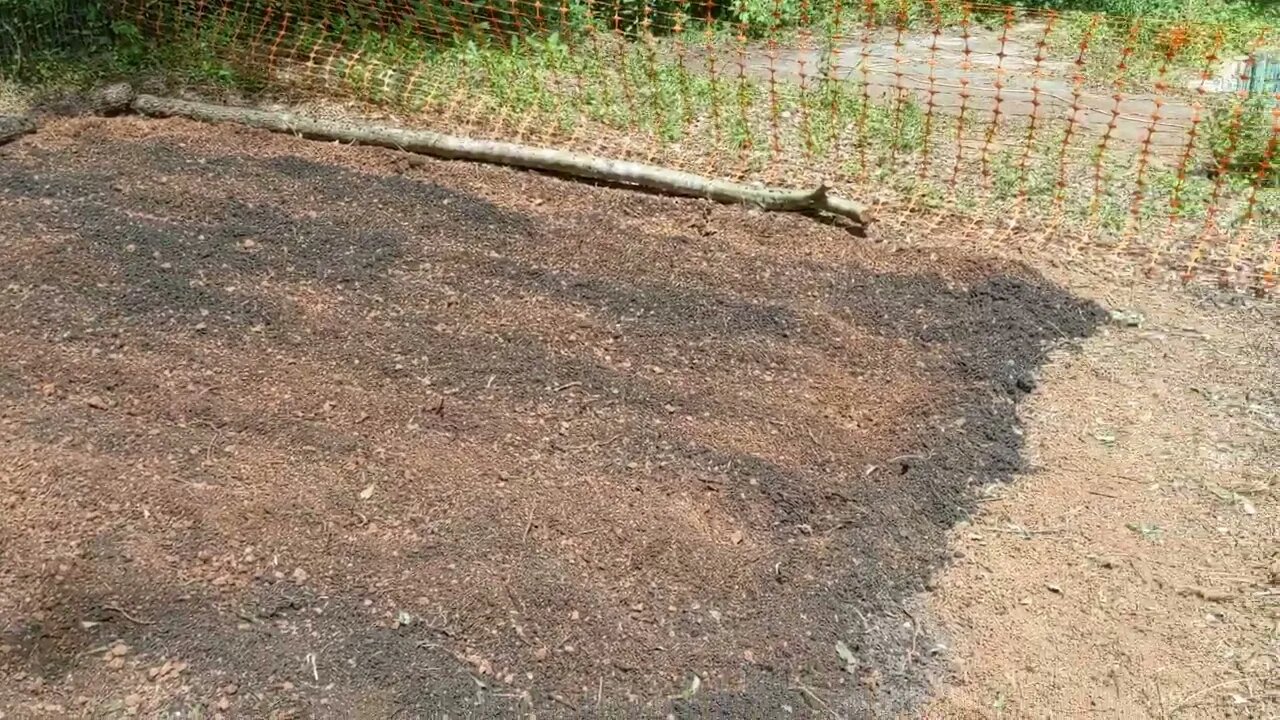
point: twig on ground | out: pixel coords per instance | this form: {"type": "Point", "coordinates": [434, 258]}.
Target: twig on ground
{"type": "Point", "coordinates": [520, 631]}
{"type": "Point", "coordinates": [866, 625]}
{"type": "Point", "coordinates": [815, 698]}
{"type": "Point", "coordinates": [127, 616]}
{"type": "Point", "coordinates": [565, 702]}
{"type": "Point", "coordinates": [593, 445]}
{"type": "Point", "coordinates": [1186, 701]}
{"type": "Point", "coordinates": [529, 525]}
{"type": "Point", "coordinates": [814, 439]}
{"type": "Point", "coordinates": [516, 602]}
{"type": "Point", "coordinates": [1019, 530]}
{"type": "Point", "coordinates": [915, 636]}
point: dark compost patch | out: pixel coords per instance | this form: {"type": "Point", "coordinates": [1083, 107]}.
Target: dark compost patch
{"type": "Point", "coordinates": [332, 437]}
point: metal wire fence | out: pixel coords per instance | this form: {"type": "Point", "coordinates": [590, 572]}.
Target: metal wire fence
{"type": "Point", "coordinates": [1154, 142]}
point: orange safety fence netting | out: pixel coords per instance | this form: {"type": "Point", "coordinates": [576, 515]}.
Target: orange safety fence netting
{"type": "Point", "coordinates": [1152, 141]}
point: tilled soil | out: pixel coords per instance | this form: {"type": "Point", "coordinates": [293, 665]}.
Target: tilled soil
{"type": "Point", "coordinates": [298, 429]}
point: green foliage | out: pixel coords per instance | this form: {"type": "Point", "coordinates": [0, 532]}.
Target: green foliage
{"type": "Point", "coordinates": [1241, 135]}
{"type": "Point", "coordinates": [31, 30]}
{"type": "Point", "coordinates": [760, 17]}
{"type": "Point", "coordinates": [1208, 11]}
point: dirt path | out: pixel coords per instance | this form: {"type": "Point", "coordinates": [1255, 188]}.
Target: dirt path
{"type": "Point", "coordinates": [291, 428]}
{"type": "Point", "coordinates": [1135, 572]}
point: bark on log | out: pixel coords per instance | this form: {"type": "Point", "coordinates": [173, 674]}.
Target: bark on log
{"type": "Point", "coordinates": [502, 153]}
{"type": "Point", "coordinates": [13, 127]}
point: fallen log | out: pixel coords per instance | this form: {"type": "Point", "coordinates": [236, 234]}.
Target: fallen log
{"type": "Point", "coordinates": [565, 162]}
{"type": "Point", "coordinates": [13, 127]}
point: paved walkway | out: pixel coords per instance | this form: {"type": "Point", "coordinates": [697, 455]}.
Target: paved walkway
{"type": "Point", "coordinates": [1020, 86]}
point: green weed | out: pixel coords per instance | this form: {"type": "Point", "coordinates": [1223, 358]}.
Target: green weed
{"type": "Point", "coordinates": [1244, 139]}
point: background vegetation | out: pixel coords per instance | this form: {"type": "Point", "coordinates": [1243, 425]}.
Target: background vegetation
{"type": "Point", "coordinates": [520, 57]}
{"type": "Point", "coordinates": [1199, 10]}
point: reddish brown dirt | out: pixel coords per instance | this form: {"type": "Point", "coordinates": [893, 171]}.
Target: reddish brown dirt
{"type": "Point", "coordinates": [1134, 570]}
{"type": "Point", "coordinates": [292, 428]}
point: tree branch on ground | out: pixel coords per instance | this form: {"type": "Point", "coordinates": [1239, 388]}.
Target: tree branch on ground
{"type": "Point", "coordinates": [13, 127]}
{"type": "Point", "coordinates": [502, 153]}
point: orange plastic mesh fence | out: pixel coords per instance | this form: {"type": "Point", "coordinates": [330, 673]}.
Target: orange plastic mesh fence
{"type": "Point", "coordinates": [1145, 139]}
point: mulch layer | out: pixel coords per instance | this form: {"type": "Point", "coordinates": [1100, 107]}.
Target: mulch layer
{"type": "Point", "coordinates": [291, 429]}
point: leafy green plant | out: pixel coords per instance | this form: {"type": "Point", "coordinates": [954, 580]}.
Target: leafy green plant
{"type": "Point", "coordinates": [131, 48]}
{"type": "Point", "coordinates": [31, 30]}
{"type": "Point", "coordinates": [1242, 135]}
{"type": "Point", "coordinates": [760, 17]}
